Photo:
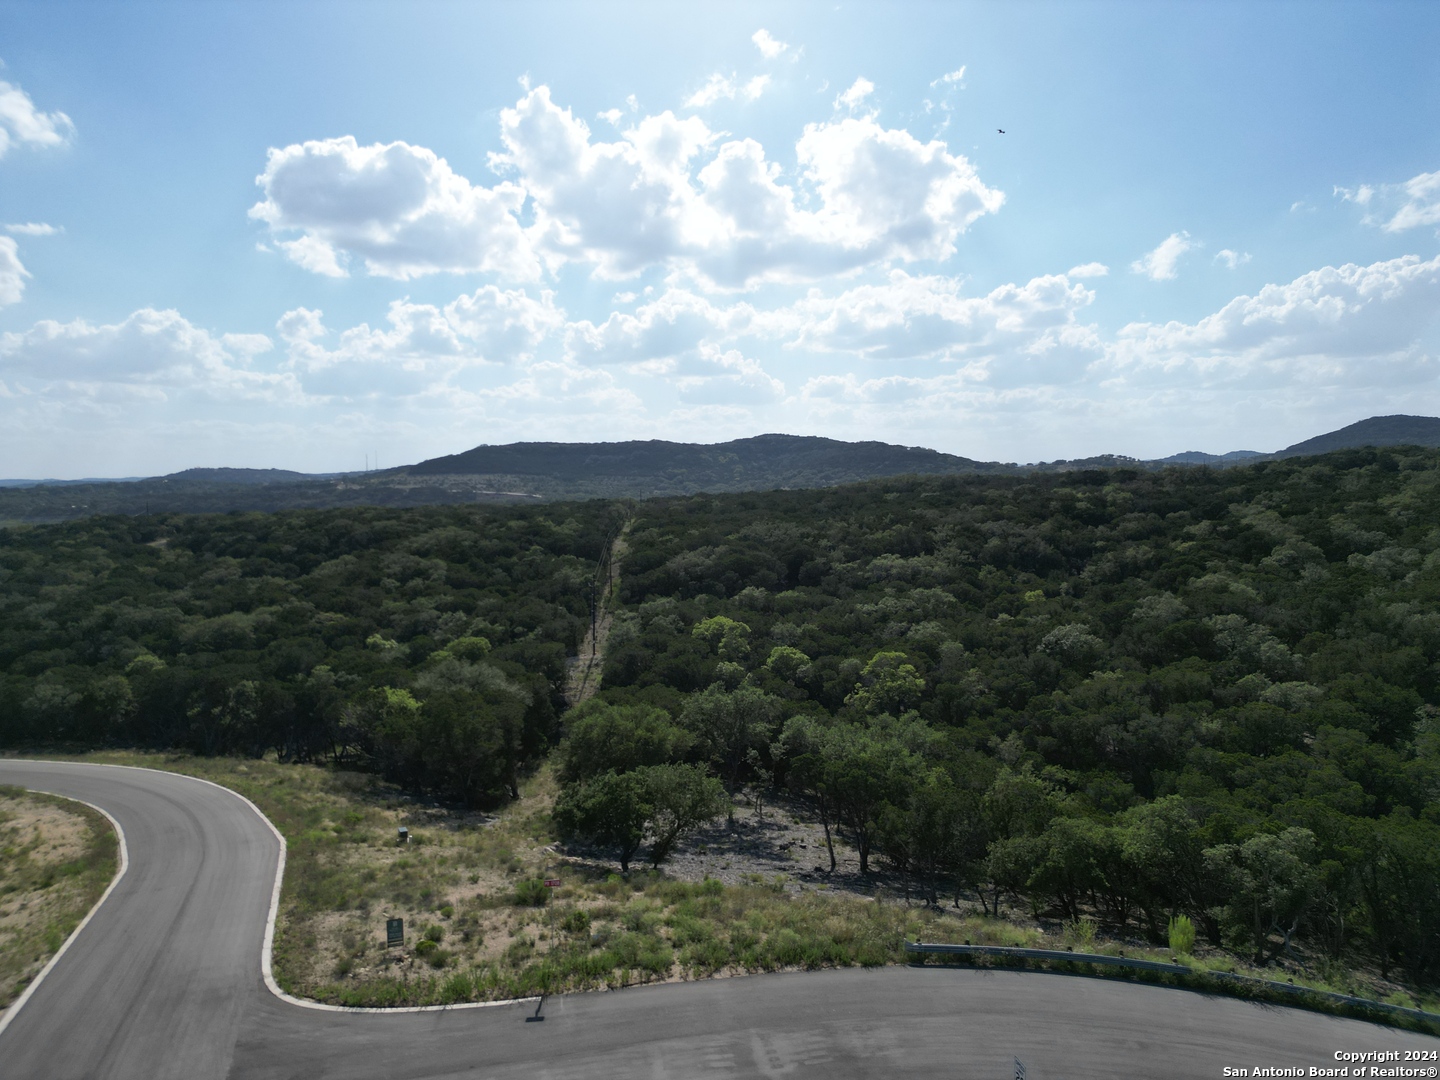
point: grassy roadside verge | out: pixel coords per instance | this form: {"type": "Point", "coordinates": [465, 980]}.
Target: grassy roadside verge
{"type": "Point", "coordinates": [481, 925]}
{"type": "Point", "coordinates": [56, 859]}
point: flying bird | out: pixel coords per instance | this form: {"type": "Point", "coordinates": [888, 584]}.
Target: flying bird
{"type": "Point", "coordinates": [1000, 130]}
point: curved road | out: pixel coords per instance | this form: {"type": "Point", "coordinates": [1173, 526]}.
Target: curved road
{"type": "Point", "coordinates": [165, 981]}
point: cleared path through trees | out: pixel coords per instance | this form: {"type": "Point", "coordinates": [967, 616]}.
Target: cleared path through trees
{"type": "Point", "coordinates": [166, 981]}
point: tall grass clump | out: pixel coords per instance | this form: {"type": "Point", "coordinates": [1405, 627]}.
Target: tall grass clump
{"type": "Point", "coordinates": [1182, 935]}
{"type": "Point", "coordinates": [1081, 934]}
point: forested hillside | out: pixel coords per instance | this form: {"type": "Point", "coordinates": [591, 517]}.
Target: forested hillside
{"type": "Point", "coordinates": [655, 467]}
{"type": "Point", "coordinates": [428, 644]}
{"type": "Point", "coordinates": [1130, 694]}
{"type": "Point", "coordinates": [211, 491]}
{"type": "Point", "coordinates": [1399, 430]}
{"type": "Point", "coordinates": [1116, 694]}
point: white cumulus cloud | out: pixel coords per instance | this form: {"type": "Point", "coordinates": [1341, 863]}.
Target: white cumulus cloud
{"type": "Point", "coordinates": [580, 398]}
{"type": "Point", "coordinates": [852, 98]}
{"type": "Point", "coordinates": [769, 47]}
{"type": "Point", "coordinates": [12, 273]}
{"type": "Point", "coordinates": [727, 377]}
{"type": "Point", "coordinates": [905, 356]}
{"type": "Point", "coordinates": [506, 325]}
{"type": "Point", "coordinates": [1361, 196]}
{"type": "Point", "coordinates": [1397, 208]}
{"type": "Point", "coordinates": [1348, 325]}
{"type": "Point", "coordinates": [884, 188]}
{"type": "Point", "coordinates": [717, 86]}
{"type": "Point", "coordinates": [673, 325]}
{"type": "Point", "coordinates": [1328, 345]}
{"type": "Point", "coordinates": [312, 253]}
{"type": "Point", "coordinates": [667, 192]}
{"type": "Point", "coordinates": [32, 228]}
{"type": "Point", "coordinates": [1159, 265]}
{"type": "Point", "coordinates": [399, 208]}
{"type": "Point", "coordinates": [423, 345]}
{"type": "Point", "coordinates": [755, 87]}
{"type": "Point", "coordinates": [419, 349]}
{"type": "Point", "coordinates": [911, 317]}
{"type": "Point", "coordinates": [22, 124]}
{"type": "Point", "coordinates": [150, 350]}
{"type": "Point", "coordinates": [641, 201]}
{"type": "Point", "coordinates": [1232, 259]}
{"type": "Point", "coordinates": [1422, 203]}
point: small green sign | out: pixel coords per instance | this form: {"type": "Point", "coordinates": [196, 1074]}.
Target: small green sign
{"type": "Point", "coordinates": [394, 932]}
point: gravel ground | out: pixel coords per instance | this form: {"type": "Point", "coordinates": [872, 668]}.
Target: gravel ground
{"type": "Point", "coordinates": [780, 837]}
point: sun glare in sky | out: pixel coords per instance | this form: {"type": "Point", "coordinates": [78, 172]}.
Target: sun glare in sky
{"type": "Point", "coordinates": [289, 235]}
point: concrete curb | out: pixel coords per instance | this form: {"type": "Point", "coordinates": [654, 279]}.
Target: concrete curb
{"type": "Point", "coordinates": [267, 948]}
{"type": "Point", "coordinates": [19, 1003]}
{"type": "Point", "coordinates": [267, 951]}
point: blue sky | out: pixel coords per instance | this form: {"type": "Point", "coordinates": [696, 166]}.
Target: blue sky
{"type": "Point", "coordinates": [295, 234]}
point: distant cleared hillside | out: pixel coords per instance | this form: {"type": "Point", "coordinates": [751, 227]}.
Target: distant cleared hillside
{"type": "Point", "coordinates": [1376, 431]}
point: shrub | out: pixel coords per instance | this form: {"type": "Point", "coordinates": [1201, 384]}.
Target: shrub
{"type": "Point", "coordinates": [532, 892]}
{"type": "Point", "coordinates": [520, 951]}
{"type": "Point", "coordinates": [601, 738]}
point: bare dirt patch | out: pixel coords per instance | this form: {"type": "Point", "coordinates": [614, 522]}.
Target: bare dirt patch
{"type": "Point", "coordinates": [775, 836]}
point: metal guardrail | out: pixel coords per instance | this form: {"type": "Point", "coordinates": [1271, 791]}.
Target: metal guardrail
{"type": "Point", "coordinates": [1103, 959]}
{"type": "Point", "coordinates": [1048, 954]}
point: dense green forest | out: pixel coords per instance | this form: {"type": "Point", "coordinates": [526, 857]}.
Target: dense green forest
{"type": "Point", "coordinates": [223, 491]}
{"type": "Point", "coordinates": [1133, 694]}
{"type": "Point", "coordinates": [429, 643]}
{"type": "Point", "coordinates": [1125, 694]}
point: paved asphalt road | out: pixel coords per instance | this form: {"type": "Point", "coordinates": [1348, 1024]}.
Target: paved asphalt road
{"type": "Point", "coordinates": [165, 982]}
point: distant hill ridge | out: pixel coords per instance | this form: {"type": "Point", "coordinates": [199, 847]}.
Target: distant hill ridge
{"type": "Point", "coordinates": [1199, 457]}
{"type": "Point", "coordinates": [761, 458]}
{"type": "Point", "coordinates": [636, 469]}
{"type": "Point", "coordinates": [240, 476]}
{"type": "Point", "coordinates": [1399, 430]}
